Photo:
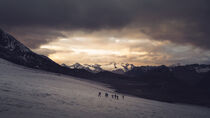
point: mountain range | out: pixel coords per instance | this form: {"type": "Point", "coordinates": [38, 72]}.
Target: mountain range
{"type": "Point", "coordinates": [118, 68]}
{"type": "Point", "coordinates": [131, 69]}
{"type": "Point", "coordinates": [180, 83]}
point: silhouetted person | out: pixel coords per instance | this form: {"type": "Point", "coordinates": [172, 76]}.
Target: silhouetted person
{"type": "Point", "coordinates": [123, 96]}
{"type": "Point", "coordinates": [117, 97]}
{"type": "Point", "coordinates": [99, 94]}
{"type": "Point", "coordinates": [106, 94]}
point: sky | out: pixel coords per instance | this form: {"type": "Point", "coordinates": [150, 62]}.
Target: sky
{"type": "Point", "coordinates": [141, 32]}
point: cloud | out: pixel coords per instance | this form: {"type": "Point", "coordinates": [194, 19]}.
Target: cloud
{"type": "Point", "coordinates": [137, 52]}
{"type": "Point", "coordinates": [34, 37]}
{"type": "Point", "coordinates": [182, 22]}
{"type": "Point", "coordinates": [44, 51]}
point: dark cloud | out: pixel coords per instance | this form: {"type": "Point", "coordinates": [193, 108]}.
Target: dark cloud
{"type": "Point", "coordinates": [35, 37]}
{"type": "Point", "coordinates": [185, 21]}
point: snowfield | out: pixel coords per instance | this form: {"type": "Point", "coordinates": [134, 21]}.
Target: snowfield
{"type": "Point", "coordinates": [28, 93]}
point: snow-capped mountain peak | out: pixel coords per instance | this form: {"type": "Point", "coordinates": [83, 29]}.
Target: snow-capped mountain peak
{"type": "Point", "coordinates": [118, 68]}
{"type": "Point", "coordinates": [91, 68]}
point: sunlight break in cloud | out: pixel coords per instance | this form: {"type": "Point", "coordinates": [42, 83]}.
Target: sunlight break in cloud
{"type": "Point", "coordinates": [95, 48]}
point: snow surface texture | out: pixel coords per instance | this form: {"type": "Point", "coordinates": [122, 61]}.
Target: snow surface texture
{"type": "Point", "coordinates": [28, 93]}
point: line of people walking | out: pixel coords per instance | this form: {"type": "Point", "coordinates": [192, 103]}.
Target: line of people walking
{"type": "Point", "coordinates": [114, 96]}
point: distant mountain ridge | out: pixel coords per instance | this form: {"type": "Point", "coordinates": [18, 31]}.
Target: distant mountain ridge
{"type": "Point", "coordinates": [198, 68]}
{"type": "Point", "coordinates": [90, 68]}
{"type": "Point", "coordinates": [135, 70]}
{"type": "Point", "coordinates": [118, 68]}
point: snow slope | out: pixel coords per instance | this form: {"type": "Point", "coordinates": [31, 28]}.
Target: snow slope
{"type": "Point", "coordinates": [32, 93]}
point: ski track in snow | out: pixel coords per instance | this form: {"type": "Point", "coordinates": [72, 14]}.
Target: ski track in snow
{"type": "Point", "coordinates": [32, 93]}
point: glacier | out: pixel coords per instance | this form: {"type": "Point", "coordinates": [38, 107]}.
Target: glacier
{"type": "Point", "coordinates": [26, 92]}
